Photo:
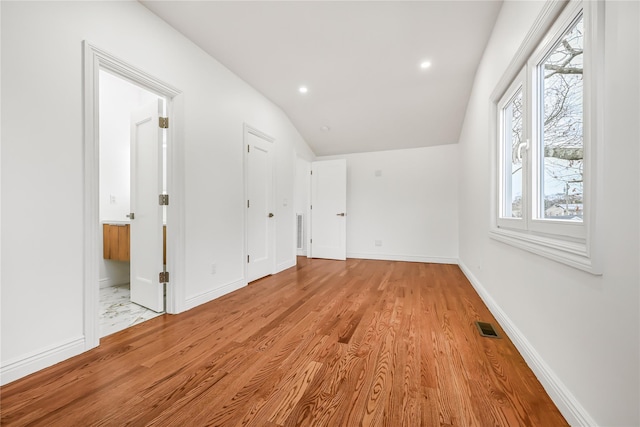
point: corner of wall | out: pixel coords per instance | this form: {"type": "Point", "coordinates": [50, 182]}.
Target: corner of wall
{"type": "Point", "coordinates": [285, 265]}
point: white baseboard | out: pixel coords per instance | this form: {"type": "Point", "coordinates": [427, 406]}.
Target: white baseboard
{"type": "Point", "coordinates": [197, 300]}
{"type": "Point", "coordinates": [33, 362]}
{"type": "Point", "coordinates": [110, 281]}
{"type": "Point", "coordinates": [284, 265]}
{"type": "Point", "coordinates": [566, 402]}
{"type": "Point", "coordinates": [397, 257]}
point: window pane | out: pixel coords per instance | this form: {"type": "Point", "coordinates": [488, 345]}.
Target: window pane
{"type": "Point", "coordinates": [562, 136]}
{"type": "Point", "coordinates": [513, 138]}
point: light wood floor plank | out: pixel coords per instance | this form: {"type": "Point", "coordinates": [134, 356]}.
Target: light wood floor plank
{"type": "Point", "coordinates": [327, 343]}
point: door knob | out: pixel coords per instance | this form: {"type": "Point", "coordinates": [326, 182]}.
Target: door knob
{"type": "Point", "coordinates": [131, 215]}
{"type": "Point", "coordinates": [341, 214]}
{"type": "Point", "coordinates": [271, 215]}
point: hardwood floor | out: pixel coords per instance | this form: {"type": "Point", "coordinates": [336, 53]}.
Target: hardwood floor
{"type": "Point", "coordinates": [329, 343]}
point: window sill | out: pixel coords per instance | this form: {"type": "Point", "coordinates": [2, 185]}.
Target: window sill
{"type": "Point", "coordinates": [574, 253]}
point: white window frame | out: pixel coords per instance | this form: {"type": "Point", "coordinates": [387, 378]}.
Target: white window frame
{"type": "Point", "coordinates": [519, 83]}
{"type": "Point", "coordinates": [568, 242]}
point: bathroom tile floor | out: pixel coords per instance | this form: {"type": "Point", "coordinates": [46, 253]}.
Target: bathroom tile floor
{"type": "Point", "coordinates": [117, 312]}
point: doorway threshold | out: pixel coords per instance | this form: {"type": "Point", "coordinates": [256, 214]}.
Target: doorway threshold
{"type": "Point", "coordinates": [117, 312]}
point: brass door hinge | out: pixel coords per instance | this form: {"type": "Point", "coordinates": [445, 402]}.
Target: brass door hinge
{"type": "Point", "coordinates": [163, 199]}
{"type": "Point", "coordinates": [163, 122]}
{"type": "Point", "coordinates": [164, 277]}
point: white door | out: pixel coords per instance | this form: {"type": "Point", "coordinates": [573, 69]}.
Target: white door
{"type": "Point", "coordinates": [260, 212]}
{"type": "Point", "coordinates": [146, 224]}
{"type": "Point", "coordinates": [329, 209]}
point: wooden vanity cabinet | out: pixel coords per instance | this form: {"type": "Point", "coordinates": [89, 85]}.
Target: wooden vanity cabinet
{"type": "Point", "coordinates": [115, 241]}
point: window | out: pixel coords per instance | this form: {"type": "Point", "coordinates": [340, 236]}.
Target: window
{"type": "Point", "coordinates": [546, 138]}
{"type": "Point", "coordinates": [558, 83]}
{"type": "Point", "coordinates": [512, 142]}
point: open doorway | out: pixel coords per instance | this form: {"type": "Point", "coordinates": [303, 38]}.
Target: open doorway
{"type": "Point", "coordinates": [130, 244]}
{"type": "Point", "coordinates": [95, 60]}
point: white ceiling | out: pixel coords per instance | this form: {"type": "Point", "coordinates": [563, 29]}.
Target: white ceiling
{"type": "Point", "coordinates": [359, 59]}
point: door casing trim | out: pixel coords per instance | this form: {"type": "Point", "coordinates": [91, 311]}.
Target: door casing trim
{"type": "Point", "coordinates": [96, 59]}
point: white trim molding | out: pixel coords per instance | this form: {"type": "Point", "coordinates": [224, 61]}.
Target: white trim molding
{"type": "Point", "coordinates": [96, 59]}
{"type": "Point", "coordinates": [109, 282]}
{"type": "Point", "coordinates": [33, 362]}
{"type": "Point", "coordinates": [205, 297]}
{"type": "Point", "coordinates": [401, 257]}
{"type": "Point", "coordinates": [285, 265]}
{"type": "Point", "coordinates": [566, 402]}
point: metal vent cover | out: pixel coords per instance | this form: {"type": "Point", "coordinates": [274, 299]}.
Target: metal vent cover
{"type": "Point", "coordinates": [487, 330]}
{"type": "Point", "coordinates": [300, 232]}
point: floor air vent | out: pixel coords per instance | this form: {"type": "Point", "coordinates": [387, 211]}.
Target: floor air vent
{"type": "Point", "coordinates": [487, 330]}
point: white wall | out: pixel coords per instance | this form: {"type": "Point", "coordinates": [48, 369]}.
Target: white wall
{"type": "Point", "coordinates": [411, 207]}
{"type": "Point", "coordinates": [583, 327]}
{"type": "Point", "coordinates": [303, 199]}
{"type": "Point", "coordinates": [42, 165]}
{"type": "Point", "coordinates": [580, 332]}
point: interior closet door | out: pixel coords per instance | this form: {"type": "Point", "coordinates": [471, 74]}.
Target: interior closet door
{"type": "Point", "coordinates": [329, 209]}
{"type": "Point", "coordinates": [260, 207]}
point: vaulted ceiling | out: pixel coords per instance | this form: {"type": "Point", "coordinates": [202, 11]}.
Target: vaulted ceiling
{"type": "Point", "coordinates": [359, 60]}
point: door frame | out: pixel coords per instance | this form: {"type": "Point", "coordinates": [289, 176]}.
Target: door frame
{"type": "Point", "coordinates": [96, 59]}
{"type": "Point", "coordinates": [246, 130]}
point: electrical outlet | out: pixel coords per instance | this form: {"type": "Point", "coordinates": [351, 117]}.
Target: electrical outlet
{"type": "Point", "coordinates": [378, 242]}
{"type": "Point", "coordinates": [213, 268]}
{"type": "Point", "coordinates": [112, 199]}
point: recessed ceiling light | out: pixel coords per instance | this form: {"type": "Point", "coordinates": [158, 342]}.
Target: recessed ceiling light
{"type": "Point", "coordinates": [325, 128]}
{"type": "Point", "coordinates": [303, 89]}
{"type": "Point", "coordinates": [425, 64]}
